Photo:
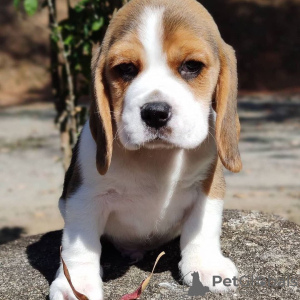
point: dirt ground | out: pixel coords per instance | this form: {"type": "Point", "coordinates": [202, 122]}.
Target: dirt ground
{"type": "Point", "coordinates": [32, 175]}
{"type": "Point", "coordinates": [270, 149]}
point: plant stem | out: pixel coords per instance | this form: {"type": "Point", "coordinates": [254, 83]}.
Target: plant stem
{"type": "Point", "coordinates": [70, 128]}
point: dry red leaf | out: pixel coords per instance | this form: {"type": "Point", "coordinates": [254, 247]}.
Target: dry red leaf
{"type": "Point", "coordinates": [136, 294]}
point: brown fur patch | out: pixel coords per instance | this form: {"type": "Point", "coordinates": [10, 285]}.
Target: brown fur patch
{"type": "Point", "coordinates": [122, 52]}
{"type": "Point", "coordinates": [227, 124]}
{"type": "Point", "coordinates": [107, 96]}
{"type": "Point", "coordinates": [194, 36]}
{"type": "Point", "coordinates": [100, 117]}
{"type": "Point", "coordinates": [214, 185]}
{"type": "Point", "coordinates": [184, 45]}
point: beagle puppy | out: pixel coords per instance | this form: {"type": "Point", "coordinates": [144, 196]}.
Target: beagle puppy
{"type": "Point", "coordinates": [148, 164]}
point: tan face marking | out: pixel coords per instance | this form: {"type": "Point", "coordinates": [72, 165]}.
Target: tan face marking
{"type": "Point", "coordinates": [126, 51]}
{"type": "Point", "coordinates": [183, 45]}
{"type": "Point", "coordinates": [158, 43]}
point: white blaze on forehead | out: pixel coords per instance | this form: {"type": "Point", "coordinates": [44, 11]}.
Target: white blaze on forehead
{"type": "Point", "coordinates": [157, 82]}
{"type": "Point", "coordinates": [151, 34]}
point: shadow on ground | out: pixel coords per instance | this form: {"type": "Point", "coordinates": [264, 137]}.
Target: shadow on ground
{"type": "Point", "coordinates": [44, 257]}
{"type": "Point", "coordinates": [8, 234]}
{"type": "Point", "coordinates": [270, 111]}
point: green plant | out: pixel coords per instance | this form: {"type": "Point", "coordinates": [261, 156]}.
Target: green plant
{"type": "Point", "coordinates": [71, 44]}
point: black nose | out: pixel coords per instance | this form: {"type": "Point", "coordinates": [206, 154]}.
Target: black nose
{"type": "Point", "coordinates": [156, 114]}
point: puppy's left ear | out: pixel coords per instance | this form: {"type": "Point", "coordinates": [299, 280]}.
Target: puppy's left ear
{"type": "Point", "coordinates": [100, 114]}
{"type": "Point", "coordinates": [227, 123]}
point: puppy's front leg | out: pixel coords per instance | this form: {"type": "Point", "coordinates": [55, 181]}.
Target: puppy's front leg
{"type": "Point", "coordinates": [81, 250]}
{"type": "Point", "coordinates": [200, 245]}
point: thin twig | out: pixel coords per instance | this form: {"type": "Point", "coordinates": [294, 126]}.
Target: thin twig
{"type": "Point", "coordinates": [64, 55]}
{"type": "Point", "coordinates": [68, 115]}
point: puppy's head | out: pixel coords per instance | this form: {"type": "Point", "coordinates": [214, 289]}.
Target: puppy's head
{"type": "Point", "coordinates": [161, 68]}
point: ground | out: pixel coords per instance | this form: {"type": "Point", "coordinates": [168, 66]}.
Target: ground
{"type": "Point", "coordinates": [261, 245]}
{"type": "Point", "coordinates": [32, 175]}
{"type": "Point", "coordinates": [270, 144]}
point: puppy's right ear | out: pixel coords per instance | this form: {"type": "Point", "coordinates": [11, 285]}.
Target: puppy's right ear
{"type": "Point", "coordinates": [100, 114]}
{"type": "Point", "coordinates": [227, 123]}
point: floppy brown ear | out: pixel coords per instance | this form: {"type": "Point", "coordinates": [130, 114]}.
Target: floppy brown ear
{"type": "Point", "coordinates": [100, 114]}
{"type": "Point", "coordinates": [227, 123]}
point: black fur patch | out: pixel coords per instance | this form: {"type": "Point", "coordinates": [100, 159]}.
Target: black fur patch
{"type": "Point", "coordinates": [73, 178]}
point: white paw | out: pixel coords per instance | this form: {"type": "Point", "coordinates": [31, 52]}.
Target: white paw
{"type": "Point", "coordinates": [208, 266]}
{"type": "Point", "coordinates": [85, 280]}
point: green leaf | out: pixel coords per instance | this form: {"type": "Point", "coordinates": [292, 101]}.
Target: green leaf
{"type": "Point", "coordinates": [86, 30]}
{"type": "Point", "coordinates": [78, 67]}
{"type": "Point", "coordinates": [69, 40]}
{"type": "Point", "coordinates": [30, 6]}
{"type": "Point", "coordinates": [54, 37]}
{"type": "Point", "coordinates": [68, 27]}
{"type": "Point", "coordinates": [87, 48]}
{"type": "Point", "coordinates": [84, 2]}
{"type": "Point", "coordinates": [97, 24]}
{"type": "Point", "coordinates": [78, 8]}
{"type": "Point", "coordinates": [16, 3]}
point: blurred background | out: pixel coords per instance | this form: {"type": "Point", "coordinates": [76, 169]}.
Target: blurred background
{"type": "Point", "coordinates": [266, 37]}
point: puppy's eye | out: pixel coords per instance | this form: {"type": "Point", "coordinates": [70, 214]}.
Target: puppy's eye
{"type": "Point", "coordinates": [127, 71]}
{"type": "Point", "coordinates": [190, 69]}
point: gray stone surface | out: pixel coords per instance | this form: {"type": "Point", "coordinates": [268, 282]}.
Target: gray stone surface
{"type": "Point", "coordinates": [259, 244]}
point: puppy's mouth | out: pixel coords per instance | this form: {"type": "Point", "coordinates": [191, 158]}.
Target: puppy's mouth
{"type": "Point", "coordinates": [158, 143]}
{"type": "Point", "coordinates": [159, 139]}
{"type": "Point", "coordinates": [148, 137]}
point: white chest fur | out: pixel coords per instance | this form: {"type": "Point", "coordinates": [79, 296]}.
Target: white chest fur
{"type": "Point", "coordinates": [146, 193]}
